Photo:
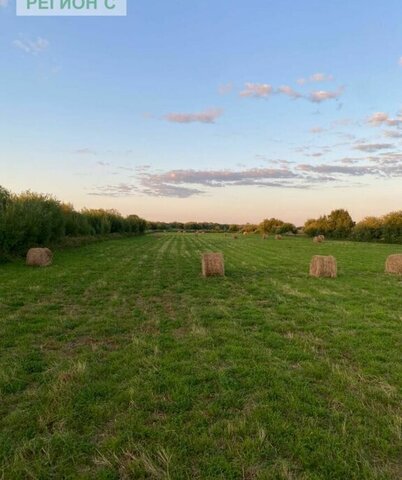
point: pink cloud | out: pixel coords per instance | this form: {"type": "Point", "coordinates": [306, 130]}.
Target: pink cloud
{"type": "Point", "coordinates": [257, 90]}
{"type": "Point", "coordinates": [207, 116]}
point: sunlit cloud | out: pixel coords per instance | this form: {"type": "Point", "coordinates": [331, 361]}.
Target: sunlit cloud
{"type": "Point", "coordinates": [185, 183]}
{"type": "Point", "coordinates": [382, 118]}
{"type": "Point", "coordinates": [319, 96]}
{"type": "Point", "coordinates": [258, 90]}
{"type": "Point", "coordinates": [289, 91]}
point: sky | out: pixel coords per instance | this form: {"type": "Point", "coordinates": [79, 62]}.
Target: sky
{"type": "Point", "coordinates": [209, 110]}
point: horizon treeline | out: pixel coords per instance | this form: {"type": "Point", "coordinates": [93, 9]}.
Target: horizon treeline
{"type": "Point", "coordinates": [33, 220]}
{"type": "Point", "coordinates": [337, 225]}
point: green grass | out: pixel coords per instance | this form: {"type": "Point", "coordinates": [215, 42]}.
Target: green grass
{"type": "Point", "coordinates": [121, 362]}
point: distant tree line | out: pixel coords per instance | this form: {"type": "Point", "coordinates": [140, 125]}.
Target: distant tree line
{"type": "Point", "coordinates": [30, 219]}
{"type": "Point", "coordinates": [339, 225]}
{"type": "Point", "coordinates": [272, 226]}
{"type": "Point", "coordinates": [192, 227]}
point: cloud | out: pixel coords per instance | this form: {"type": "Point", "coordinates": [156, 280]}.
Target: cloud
{"type": "Point", "coordinates": [383, 168]}
{"type": "Point", "coordinates": [85, 151]}
{"type": "Point", "coordinates": [286, 90]}
{"type": "Point", "coordinates": [317, 130]}
{"type": "Point", "coordinates": [392, 134]}
{"type": "Point", "coordinates": [372, 147]}
{"type": "Point", "coordinates": [208, 116]}
{"type": "Point", "coordinates": [186, 183]}
{"type": "Point", "coordinates": [166, 190]}
{"type": "Point", "coordinates": [119, 190]}
{"type": "Point", "coordinates": [33, 47]}
{"type": "Point", "coordinates": [225, 88]}
{"type": "Point", "coordinates": [315, 78]}
{"type": "Point", "coordinates": [319, 96]}
{"type": "Point", "coordinates": [382, 118]}
{"type": "Point", "coordinates": [257, 90]}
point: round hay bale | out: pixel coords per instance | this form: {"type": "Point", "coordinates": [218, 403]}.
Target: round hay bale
{"type": "Point", "coordinates": [213, 265]}
{"type": "Point", "coordinates": [394, 264]}
{"type": "Point", "coordinates": [278, 237]}
{"type": "Point", "coordinates": [39, 257]}
{"type": "Point", "coordinates": [323, 266]}
{"type": "Point", "coordinates": [322, 237]}
{"type": "Point", "coordinates": [317, 240]}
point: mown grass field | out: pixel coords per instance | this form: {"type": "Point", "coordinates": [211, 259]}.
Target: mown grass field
{"type": "Point", "coordinates": [120, 361]}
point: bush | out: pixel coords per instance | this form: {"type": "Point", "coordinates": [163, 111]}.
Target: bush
{"type": "Point", "coordinates": [30, 220]}
{"type": "Point", "coordinates": [339, 224]}
{"type": "Point", "coordinates": [34, 220]}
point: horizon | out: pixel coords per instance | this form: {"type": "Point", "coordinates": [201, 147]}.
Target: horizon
{"type": "Point", "coordinates": [209, 112]}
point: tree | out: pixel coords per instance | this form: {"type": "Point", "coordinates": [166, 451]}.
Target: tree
{"type": "Point", "coordinates": [368, 229]}
{"type": "Point", "coordinates": [270, 225]}
{"type": "Point", "coordinates": [5, 197]}
{"type": "Point", "coordinates": [340, 224]}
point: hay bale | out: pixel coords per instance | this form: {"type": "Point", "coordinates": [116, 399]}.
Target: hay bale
{"type": "Point", "coordinates": [319, 239]}
{"type": "Point", "coordinates": [213, 265]}
{"type": "Point", "coordinates": [394, 264]}
{"type": "Point", "coordinates": [323, 266]}
{"type": "Point", "coordinates": [245, 233]}
{"type": "Point", "coordinates": [39, 257]}
{"type": "Point", "coordinates": [278, 237]}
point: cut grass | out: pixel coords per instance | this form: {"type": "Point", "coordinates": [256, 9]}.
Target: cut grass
{"type": "Point", "coordinates": [120, 361]}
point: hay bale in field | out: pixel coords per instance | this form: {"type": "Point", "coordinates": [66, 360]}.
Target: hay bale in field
{"type": "Point", "coordinates": [319, 239]}
{"type": "Point", "coordinates": [323, 266]}
{"type": "Point", "coordinates": [245, 233]}
{"type": "Point", "coordinates": [278, 237]}
{"type": "Point", "coordinates": [213, 265]}
{"type": "Point", "coordinates": [394, 264]}
{"type": "Point", "coordinates": [39, 257]}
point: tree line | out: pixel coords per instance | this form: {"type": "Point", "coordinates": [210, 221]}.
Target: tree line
{"type": "Point", "coordinates": [337, 225]}
{"type": "Point", "coordinates": [31, 219]}
{"type": "Point", "coordinates": [340, 225]}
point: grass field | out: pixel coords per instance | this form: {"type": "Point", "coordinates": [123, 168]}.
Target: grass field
{"type": "Point", "coordinates": [121, 362]}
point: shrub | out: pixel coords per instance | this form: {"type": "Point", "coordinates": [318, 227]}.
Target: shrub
{"type": "Point", "coordinates": [34, 220]}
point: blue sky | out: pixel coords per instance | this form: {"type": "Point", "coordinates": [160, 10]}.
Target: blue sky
{"type": "Point", "coordinates": [207, 110]}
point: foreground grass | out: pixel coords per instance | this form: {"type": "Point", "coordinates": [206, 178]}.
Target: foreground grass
{"type": "Point", "coordinates": [121, 362]}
